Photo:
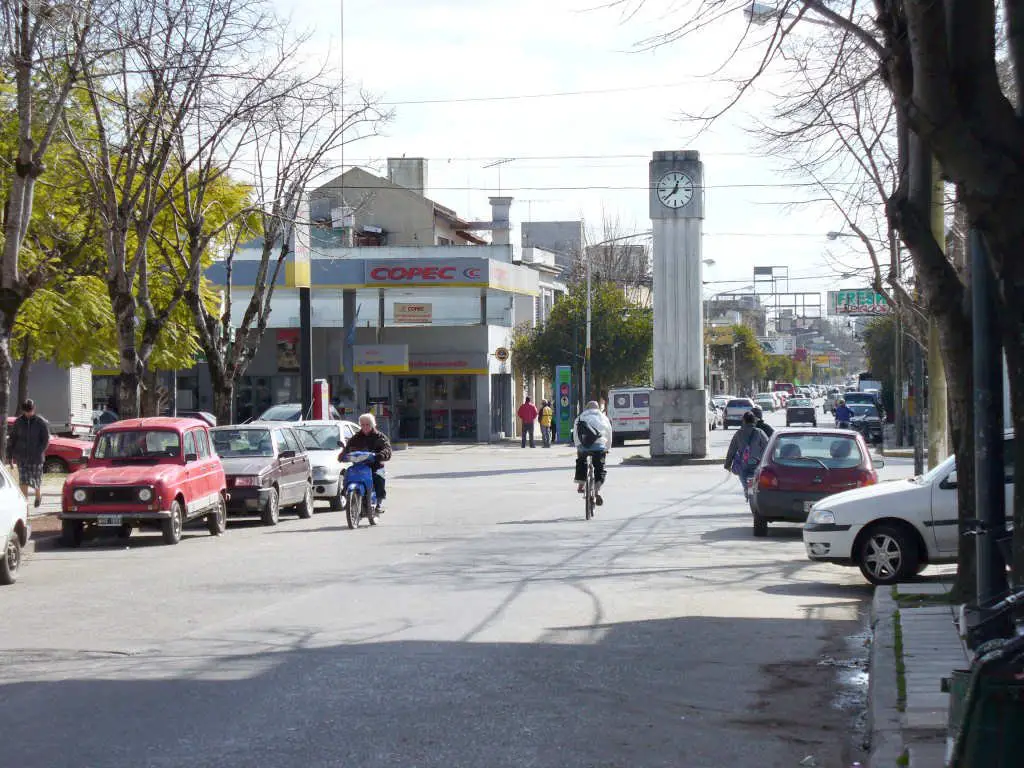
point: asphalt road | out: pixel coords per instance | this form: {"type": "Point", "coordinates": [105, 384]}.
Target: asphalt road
{"type": "Point", "coordinates": [483, 623]}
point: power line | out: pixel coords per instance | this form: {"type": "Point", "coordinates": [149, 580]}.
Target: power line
{"type": "Point", "coordinates": [601, 187]}
{"type": "Point", "coordinates": [525, 96]}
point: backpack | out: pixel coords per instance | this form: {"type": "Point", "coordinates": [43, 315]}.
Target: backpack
{"type": "Point", "coordinates": [742, 459]}
{"type": "Point", "coordinates": [586, 434]}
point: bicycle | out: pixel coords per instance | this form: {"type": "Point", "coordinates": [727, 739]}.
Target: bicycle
{"type": "Point", "coordinates": [589, 490]}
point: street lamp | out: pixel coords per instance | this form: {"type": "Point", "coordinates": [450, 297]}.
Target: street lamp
{"type": "Point", "coordinates": [762, 13]}
{"type": "Point", "coordinates": [836, 235]}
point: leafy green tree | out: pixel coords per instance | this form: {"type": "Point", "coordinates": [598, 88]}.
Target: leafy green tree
{"type": "Point", "coordinates": [622, 340]}
{"type": "Point", "coordinates": [751, 361]}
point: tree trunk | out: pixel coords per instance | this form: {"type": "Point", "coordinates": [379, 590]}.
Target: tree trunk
{"type": "Point", "coordinates": [25, 371]}
{"type": "Point", "coordinates": [124, 305]}
{"type": "Point", "coordinates": [1015, 373]}
{"type": "Point", "coordinates": [149, 397]}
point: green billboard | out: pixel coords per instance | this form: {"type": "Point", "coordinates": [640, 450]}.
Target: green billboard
{"type": "Point", "coordinates": [563, 402]}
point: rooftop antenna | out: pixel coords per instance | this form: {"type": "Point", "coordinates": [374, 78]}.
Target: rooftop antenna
{"type": "Point", "coordinates": [498, 164]}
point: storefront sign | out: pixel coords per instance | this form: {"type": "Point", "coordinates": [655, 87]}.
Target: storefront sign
{"type": "Point", "coordinates": [857, 301]}
{"type": "Point", "coordinates": [445, 362]}
{"type": "Point", "coordinates": [422, 272]}
{"type": "Point", "coordinates": [822, 360]}
{"type": "Point", "coordinates": [412, 314]}
{"type": "Point", "coordinates": [287, 350]}
{"type": "Point", "coordinates": [777, 345]}
{"type": "Point", "coordinates": [563, 402]}
{"type": "Point", "coordinates": [382, 358]}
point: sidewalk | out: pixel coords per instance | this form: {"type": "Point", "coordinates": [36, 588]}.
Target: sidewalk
{"type": "Point", "coordinates": [913, 649]}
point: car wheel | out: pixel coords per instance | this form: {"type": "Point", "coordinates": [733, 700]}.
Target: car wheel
{"type": "Point", "coordinates": [760, 526]}
{"type": "Point", "coordinates": [814, 424]}
{"type": "Point", "coordinates": [11, 560]}
{"type": "Point", "coordinates": [171, 527]}
{"type": "Point", "coordinates": [71, 533]}
{"type": "Point", "coordinates": [305, 507]}
{"type": "Point", "coordinates": [217, 521]}
{"type": "Point", "coordinates": [272, 509]}
{"type": "Point", "coordinates": [337, 502]}
{"type": "Point", "coordinates": [55, 465]}
{"type": "Point", "coordinates": [887, 555]}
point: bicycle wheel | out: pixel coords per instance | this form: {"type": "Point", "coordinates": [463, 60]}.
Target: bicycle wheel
{"type": "Point", "coordinates": [589, 494]}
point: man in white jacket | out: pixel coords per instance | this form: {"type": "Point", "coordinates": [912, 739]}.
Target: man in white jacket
{"type": "Point", "coordinates": [592, 435]}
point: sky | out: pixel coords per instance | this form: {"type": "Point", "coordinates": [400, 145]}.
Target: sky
{"type": "Point", "coordinates": [561, 90]}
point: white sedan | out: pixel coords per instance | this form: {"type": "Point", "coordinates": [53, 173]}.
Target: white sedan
{"type": "Point", "coordinates": [323, 441]}
{"type": "Point", "coordinates": [892, 530]}
{"type": "Point", "coordinates": [14, 528]}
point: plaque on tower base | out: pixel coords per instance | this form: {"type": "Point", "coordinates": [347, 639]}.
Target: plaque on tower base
{"type": "Point", "coordinates": [679, 423]}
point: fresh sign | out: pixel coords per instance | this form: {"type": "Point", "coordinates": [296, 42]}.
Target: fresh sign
{"type": "Point", "coordinates": [857, 301]}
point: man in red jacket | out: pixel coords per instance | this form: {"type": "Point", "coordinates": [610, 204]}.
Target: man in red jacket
{"type": "Point", "coordinates": [528, 415]}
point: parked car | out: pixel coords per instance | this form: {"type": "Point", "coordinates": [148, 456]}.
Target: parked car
{"type": "Point", "coordinates": [63, 454]}
{"type": "Point", "coordinates": [800, 410]}
{"type": "Point", "coordinates": [146, 473]}
{"type": "Point", "coordinates": [629, 411]}
{"type": "Point", "coordinates": [893, 530]}
{"type": "Point", "coordinates": [209, 418]}
{"type": "Point", "coordinates": [14, 527]}
{"type": "Point", "coordinates": [714, 415]}
{"type": "Point", "coordinates": [734, 411]}
{"type": "Point", "coordinates": [267, 468]}
{"type": "Point", "coordinates": [324, 441]}
{"type": "Point", "coordinates": [866, 398]}
{"type": "Point", "coordinates": [721, 401]}
{"type": "Point", "coordinates": [289, 412]}
{"type": "Point", "coordinates": [800, 467]}
{"type": "Point", "coordinates": [766, 401]}
{"type": "Point", "coordinates": [101, 417]}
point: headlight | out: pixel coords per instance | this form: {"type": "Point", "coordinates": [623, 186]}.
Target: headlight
{"type": "Point", "coordinates": [822, 517]}
{"type": "Point", "coordinates": [246, 481]}
{"type": "Point", "coordinates": [79, 495]}
{"type": "Point", "coordinates": [145, 494]}
{"type": "Point", "coordinates": [86, 452]}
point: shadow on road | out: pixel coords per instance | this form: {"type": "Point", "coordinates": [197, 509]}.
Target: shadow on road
{"type": "Point", "coordinates": [746, 533]}
{"type": "Point", "coordinates": [485, 473]}
{"type": "Point", "coordinates": [542, 522]}
{"type": "Point", "coordinates": [820, 589]}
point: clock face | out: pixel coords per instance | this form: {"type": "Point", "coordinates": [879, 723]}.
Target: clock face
{"type": "Point", "coordinates": [675, 189]}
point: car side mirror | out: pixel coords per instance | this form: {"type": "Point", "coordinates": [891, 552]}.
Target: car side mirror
{"type": "Point", "coordinates": [190, 457]}
{"type": "Point", "coordinates": [879, 463]}
{"type": "Point", "coordinates": [950, 483]}
{"type": "Point", "coordinates": [286, 454]}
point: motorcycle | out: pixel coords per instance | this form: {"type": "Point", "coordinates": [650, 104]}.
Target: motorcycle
{"type": "Point", "coordinates": [360, 498]}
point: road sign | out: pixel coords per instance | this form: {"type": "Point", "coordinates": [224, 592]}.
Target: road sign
{"type": "Point", "coordinates": [563, 414]}
{"type": "Point", "coordinates": [501, 354]}
{"type": "Point", "coordinates": [857, 301]}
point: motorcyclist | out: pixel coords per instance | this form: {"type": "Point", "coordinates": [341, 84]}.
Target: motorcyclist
{"type": "Point", "coordinates": [598, 425]}
{"type": "Point", "coordinates": [843, 414]}
{"type": "Point", "coordinates": [761, 423]}
{"type": "Point", "coordinates": [371, 440]}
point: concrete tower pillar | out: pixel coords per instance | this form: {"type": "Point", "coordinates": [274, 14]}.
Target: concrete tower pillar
{"type": "Point", "coordinates": [679, 401]}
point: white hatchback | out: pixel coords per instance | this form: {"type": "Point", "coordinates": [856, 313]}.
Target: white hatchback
{"type": "Point", "coordinates": [14, 526]}
{"type": "Point", "coordinates": [892, 530]}
{"type": "Point", "coordinates": [323, 441]}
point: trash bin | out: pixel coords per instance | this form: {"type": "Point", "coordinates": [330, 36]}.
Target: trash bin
{"type": "Point", "coordinates": [990, 722]}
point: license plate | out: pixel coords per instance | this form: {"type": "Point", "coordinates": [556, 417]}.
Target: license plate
{"type": "Point", "coordinates": [807, 506]}
{"type": "Point", "coordinates": [109, 520]}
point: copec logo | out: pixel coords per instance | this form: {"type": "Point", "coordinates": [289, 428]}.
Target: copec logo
{"type": "Point", "coordinates": [424, 274]}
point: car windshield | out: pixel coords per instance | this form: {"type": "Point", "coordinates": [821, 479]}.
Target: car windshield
{"type": "Point", "coordinates": [807, 449]}
{"type": "Point", "coordinates": [800, 403]}
{"type": "Point", "coordinates": [739, 404]}
{"type": "Point", "coordinates": [863, 409]}
{"type": "Point", "coordinates": [281, 413]}
{"type": "Point", "coordinates": [859, 397]}
{"type": "Point", "coordinates": [939, 471]}
{"type": "Point", "coordinates": [323, 438]}
{"type": "Point", "coordinates": [234, 443]}
{"type": "Point", "coordinates": [138, 444]}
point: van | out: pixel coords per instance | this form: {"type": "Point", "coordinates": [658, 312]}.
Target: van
{"type": "Point", "coordinates": [629, 411]}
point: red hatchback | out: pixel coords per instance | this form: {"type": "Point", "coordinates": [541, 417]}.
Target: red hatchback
{"type": "Point", "coordinates": [801, 467]}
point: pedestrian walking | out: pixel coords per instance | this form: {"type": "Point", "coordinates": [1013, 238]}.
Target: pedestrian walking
{"type": "Point", "coordinates": [528, 415]}
{"type": "Point", "coordinates": [546, 413]}
{"type": "Point", "coordinates": [26, 447]}
{"type": "Point", "coordinates": [745, 450]}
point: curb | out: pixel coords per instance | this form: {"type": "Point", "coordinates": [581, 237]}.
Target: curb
{"type": "Point", "coordinates": [669, 461]}
{"type": "Point", "coordinates": [883, 715]}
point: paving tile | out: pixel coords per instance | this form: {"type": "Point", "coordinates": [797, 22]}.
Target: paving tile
{"type": "Point", "coordinates": [924, 588]}
{"type": "Point", "coordinates": [928, 754]}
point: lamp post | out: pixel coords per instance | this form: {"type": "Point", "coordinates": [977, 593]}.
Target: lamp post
{"type": "Point", "coordinates": [735, 378]}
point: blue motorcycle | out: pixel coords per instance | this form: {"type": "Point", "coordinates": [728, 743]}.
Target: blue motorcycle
{"type": "Point", "coordinates": [360, 498]}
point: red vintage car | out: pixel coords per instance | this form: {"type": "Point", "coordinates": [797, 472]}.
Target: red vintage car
{"type": "Point", "coordinates": [63, 454]}
{"type": "Point", "coordinates": [146, 473]}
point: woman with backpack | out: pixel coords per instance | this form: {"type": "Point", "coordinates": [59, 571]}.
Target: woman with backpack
{"type": "Point", "coordinates": [745, 450]}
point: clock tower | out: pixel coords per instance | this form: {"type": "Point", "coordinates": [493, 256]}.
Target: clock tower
{"type": "Point", "coordinates": [679, 424]}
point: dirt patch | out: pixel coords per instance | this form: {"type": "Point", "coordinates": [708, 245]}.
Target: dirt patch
{"type": "Point", "coordinates": [799, 705]}
{"type": "Point", "coordinates": [44, 525]}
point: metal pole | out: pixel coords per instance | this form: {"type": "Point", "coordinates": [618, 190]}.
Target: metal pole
{"type": "Point", "coordinates": [306, 350]}
{"type": "Point", "coordinates": [989, 481]}
{"type": "Point", "coordinates": [735, 381]}
{"type": "Point", "coordinates": [918, 410]}
{"type": "Point", "coordinates": [585, 395]}
{"type": "Point", "coordinates": [896, 268]}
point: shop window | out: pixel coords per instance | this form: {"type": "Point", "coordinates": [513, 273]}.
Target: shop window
{"type": "Point", "coordinates": [462, 388]}
{"type": "Point", "coordinates": [438, 388]}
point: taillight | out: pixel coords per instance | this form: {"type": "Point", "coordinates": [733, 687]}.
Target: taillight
{"type": "Point", "coordinates": [767, 479]}
{"type": "Point", "coordinates": [866, 477]}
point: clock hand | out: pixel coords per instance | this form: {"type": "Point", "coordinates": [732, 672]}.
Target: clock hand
{"type": "Point", "coordinates": [674, 190]}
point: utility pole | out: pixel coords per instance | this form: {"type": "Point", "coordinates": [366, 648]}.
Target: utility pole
{"type": "Point", "coordinates": [896, 269]}
{"type": "Point", "coordinates": [918, 409]}
{"type": "Point", "coordinates": [938, 415]}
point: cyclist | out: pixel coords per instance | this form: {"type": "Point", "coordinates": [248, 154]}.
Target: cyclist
{"type": "Point", "coordinates": [843, 414]}
{"type": "Point", "coordinates": [592, 435]}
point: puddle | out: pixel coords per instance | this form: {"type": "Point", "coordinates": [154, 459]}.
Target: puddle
{"type": "Point", "coordinates": [851, 696]}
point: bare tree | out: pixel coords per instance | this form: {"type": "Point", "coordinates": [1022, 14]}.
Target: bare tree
{"type": "Point", "coordinates": [291, 143]}
{"type": "Point", "coordinates": [165, 54]}
{"type": "Point", "coordinates": [45, 47]}
{"type": "Point", "coordinates": [617, 255]}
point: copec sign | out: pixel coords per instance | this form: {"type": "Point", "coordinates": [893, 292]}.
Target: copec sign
{"type": "Point", "coordinates": [420, 272]}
